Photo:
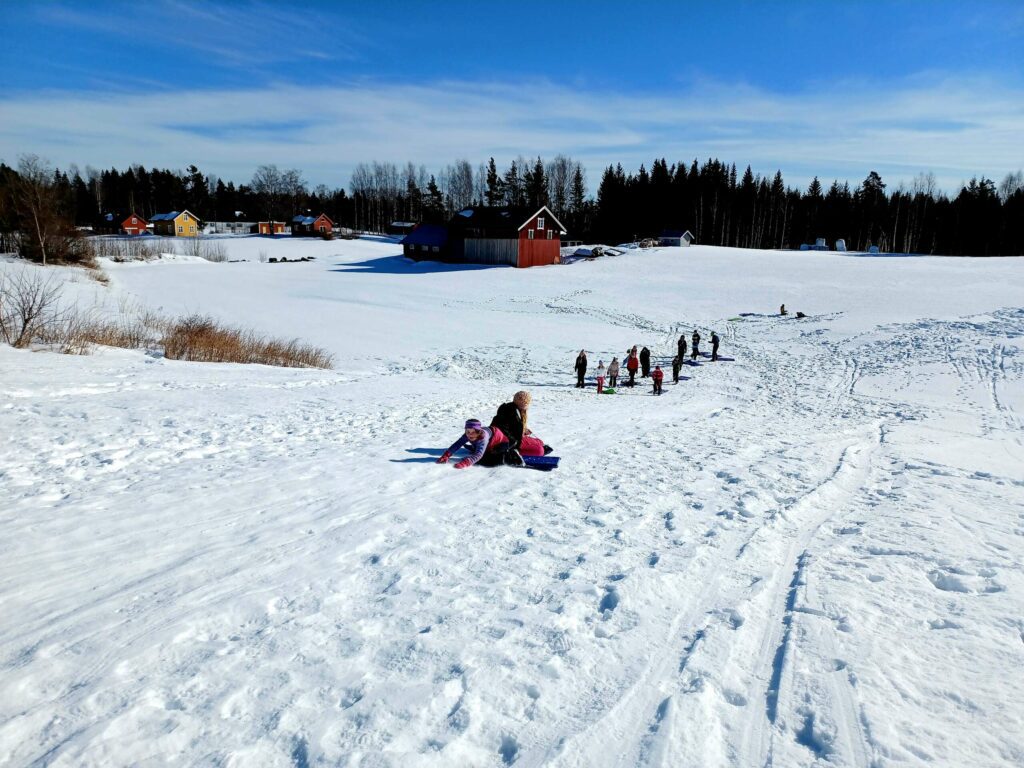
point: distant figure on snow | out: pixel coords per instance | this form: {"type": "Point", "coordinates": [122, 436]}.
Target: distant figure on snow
{"type": "Point", "coordinates": [613, 372]}
{"type": "Point", "coordinates": [782, 310]}
{"type": "Point", "coordinates": [677, 363]}
{"type": "Point", "coordinates": [715, 341]}
{"type": "Point", "coordinates": [682, 347]}
{"type": "Point", "coordinates": [600, 376]}
{"type": "Point", "coordinates": [581, 368]}
{"type": "Point", "coordinates": [488, 447]}
{"type": "Point", "coordinates": [645, 362]}
{"type": "Point", "coordinates": [696, 344]}
{"type": "Point", "coordinates": [511, 419]}
{"type": "Point", "coordinates": [800, 314]}
{"type": "Point", "coordinates": [632, 365]}
{"type": "Point", "coordinates": [657, 378]}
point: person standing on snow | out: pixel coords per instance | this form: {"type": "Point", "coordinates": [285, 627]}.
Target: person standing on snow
{"type": "Point", "coordinates": [600, 376]}
{"type": "Point", "coordinates": [696, 343]}
{"type": "Point", "coordinates": [682, 347]}
{"type": "Point", "coordinates": [613, 372]}
{"type": "Point", "coordinates": [488, 447]}
{"type": "Point", "coordinates": [677, 363]}
{"type": "Point", "coordinates": [632, 364]}
{"type": "Point", "coordinates": [511, 419]}
{"type": "Point", "coordinates": [657, 377]}
{"type": "Point", "coordinates": [645, 362]}
{"type": "Point", "coordinates": [581, 368]}
{"type": "Point", "coordinates": [714, 346]}
{"type": "Point", "coordinates": [782, 310]}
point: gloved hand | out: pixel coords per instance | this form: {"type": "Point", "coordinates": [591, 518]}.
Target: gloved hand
{"type": "Point", "coordinates": [464, 464]}
{"type": "Point", "coordinates": [444, 458]}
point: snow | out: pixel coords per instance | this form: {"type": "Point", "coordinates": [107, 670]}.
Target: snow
{"type": "Point", "coordinates": [809, 554]}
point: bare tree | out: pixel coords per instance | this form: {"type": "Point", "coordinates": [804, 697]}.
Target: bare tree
{"type": "Point", "coordinates": [1010, 184]}
{"type": "Point", "coordinates": [268, 185]}
{"type": "Point", "coordinates": [35, 200]}
{"type": "Point", "coordinates": [28, 304]}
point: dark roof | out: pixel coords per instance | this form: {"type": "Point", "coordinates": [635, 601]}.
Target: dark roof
{"type": "Point", "coordinates": [494, 222]}
{"type": "Point", "coordinates": [427, 234]}
{"type": "Point", "coordinates": [165, 216]}
{"type": "Point", "coordinates": [308, 220]}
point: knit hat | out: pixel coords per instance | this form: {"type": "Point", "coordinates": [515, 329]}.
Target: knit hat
{"type": "Point", "coordinates": [474, 424]}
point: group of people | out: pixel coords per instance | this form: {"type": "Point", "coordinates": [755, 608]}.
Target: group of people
{"type": "Point", "coordinates": [641, 361]}
{"type": "Point", "coordinates": [505, 441]}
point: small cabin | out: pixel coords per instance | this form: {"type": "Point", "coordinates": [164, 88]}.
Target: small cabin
{"type": "Point", "coordinates": [428, 242]}
{"type": "Point", "coordinates": [176, 224]}
{"type": "Point", "coordinates": [271, 228]}
{"type": "Point", "coordinates": [312, 226]}
{"type": "Point", "coordinates": [513, 236]}
{"type": "Point", "coordinates": [675, 238]}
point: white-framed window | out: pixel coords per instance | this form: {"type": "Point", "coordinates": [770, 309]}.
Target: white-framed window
{"type": "Point", "coordinates": [134, 220]}
{"type": "Point", "coordinates": [192, 229]}
{"type": "Point", "coordinates": [323, 227]}
{"type": "Point", "coordinates": [529, 234]}
{"type": "Point", "coordinates": [436, 249]}
{"type": "Point", "coordinates": [184, 217]}
{"type": "Point", "coordinates": [423, 248]}
{"type": "Point", "coordinates": [550, 233]}
{"type": "Point", "coordinates": [540, 222]}
{"type": "Point", "coordinates": [181, 229]}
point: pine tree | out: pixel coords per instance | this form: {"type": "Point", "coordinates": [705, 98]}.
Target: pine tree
{"type": "Point", "coordinates": [495, 194]}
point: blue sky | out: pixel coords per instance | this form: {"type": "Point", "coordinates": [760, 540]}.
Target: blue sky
{"type": "Point", "coordinates": [829, 88]}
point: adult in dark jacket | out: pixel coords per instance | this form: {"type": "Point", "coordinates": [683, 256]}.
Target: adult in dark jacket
{"type": "Point", "coordinates": [645, 362]}
{"type": "Point", "coordinates": [512, 418]}
{"type": "Point", "coordinates": [677, 362]}
{"type": "Point", "coordinates": [682, 347]}
{"type": "Point", "coordinates": [714, 346]}
{"type": "Point", "coordinates": [696, 343]}
{"type": "Point", "coordinates": [581, 368]}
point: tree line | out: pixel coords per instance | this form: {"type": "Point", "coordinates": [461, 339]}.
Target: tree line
{"type": "Point", "coordinates": [711, 199]}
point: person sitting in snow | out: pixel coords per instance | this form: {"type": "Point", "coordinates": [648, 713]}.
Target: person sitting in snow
{"type": "Point", "coordinates": [613, 372]}
{"type": "Point", "coordinates": [511, 420]}
{"type": "Point", "coordinates": [657, 375]}
{"type": "Point", "coordinates": [677, 363]}
{"type": "Point", "coordinates": [488, 447]}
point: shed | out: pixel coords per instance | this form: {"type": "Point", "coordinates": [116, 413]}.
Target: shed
{"type": "Point", "coordinates": [675, 237]}
{"type": "Point", "coordinates": [271, 227]}
{"type": "Point", "coordinates": [428, 242]}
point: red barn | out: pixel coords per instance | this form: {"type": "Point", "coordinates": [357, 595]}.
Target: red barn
{"type": "Point", "coordinates": [134, 225]}
{"type": "Point", "coordinates": [506, 236]}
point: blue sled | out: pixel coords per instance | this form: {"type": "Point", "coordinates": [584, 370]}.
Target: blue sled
{"type": "Point", "coordinates": [546, 463]}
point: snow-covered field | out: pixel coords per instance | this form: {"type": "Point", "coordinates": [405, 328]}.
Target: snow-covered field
{"type": "Point", "coordinates": [809, 554]}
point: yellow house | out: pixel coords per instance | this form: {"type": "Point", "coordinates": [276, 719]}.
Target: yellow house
{"type": "Point", "coordinates": [175, 223]}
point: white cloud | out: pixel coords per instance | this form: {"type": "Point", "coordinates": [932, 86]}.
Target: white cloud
{"type": "Point", "coordinates": [956, 128]}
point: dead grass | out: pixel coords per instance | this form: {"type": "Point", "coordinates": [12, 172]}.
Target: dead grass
{"type": "Point", "coordinates": [31, 313]}
{"type": "Point", "coordinates": [202, 339]}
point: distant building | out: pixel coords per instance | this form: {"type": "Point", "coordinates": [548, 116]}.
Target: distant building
{"type": "Point", "coordinates": [134, 225]}
{"type": "Point", "coordinates": [176, 224]}
{"type": "Point", "coordinates": [308, 225]}
{"type": "Point", "coordinates": [511, 236]}
{"type": "Point", "coordinates": [675, 237]}
{"type": "Point", "coordinates": [401, 227]}
{"type": "Point", "coordinates": [428, 242]}
{"type": "Point", "coordinates": [271, 228]}
{"type": "Point", "coordinates": [229, 227]}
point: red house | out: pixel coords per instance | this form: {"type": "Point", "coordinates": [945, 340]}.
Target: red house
{"type": "Point", "coordinates": [134, 225]}
{"type": "Point", "coordinates": [307, 225]}
{"type": "Point", "coordinates": [511, 236]}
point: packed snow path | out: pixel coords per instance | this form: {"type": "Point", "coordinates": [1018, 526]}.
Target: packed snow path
{"type": "Point", "coordinates": [810, 554]}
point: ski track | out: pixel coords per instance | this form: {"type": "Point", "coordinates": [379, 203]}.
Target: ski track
{"type": "Point", "coordinates": [716, 559]}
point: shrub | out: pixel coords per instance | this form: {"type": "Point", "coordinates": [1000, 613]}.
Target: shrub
{"type": "Point", "coordinates": [122, 249]}
{"type": "Point", "coordinates": [28, 307]}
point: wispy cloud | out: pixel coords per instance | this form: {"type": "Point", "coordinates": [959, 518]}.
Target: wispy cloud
{"type": "Point", "coordinates": [956, 128]}
{"type": "Point", "coordinates": [240, 35]}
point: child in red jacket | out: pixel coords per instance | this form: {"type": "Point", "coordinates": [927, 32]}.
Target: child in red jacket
{"type": "Point", "coordinates": [657, 375]}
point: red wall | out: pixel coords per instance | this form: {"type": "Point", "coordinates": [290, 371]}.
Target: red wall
{"type": "Point", "coordinates": [134, 229]}
{"type": "Point", "coordinates": [540, 250]}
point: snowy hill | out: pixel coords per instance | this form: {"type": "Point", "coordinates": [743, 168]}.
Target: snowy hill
{"type": "Point", "coordinates": [810, 553]}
